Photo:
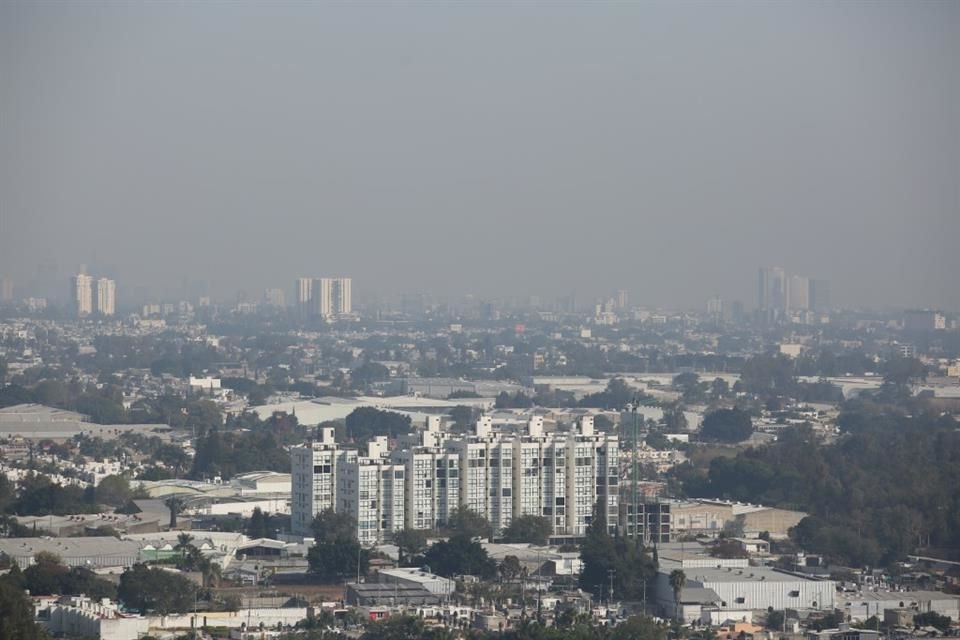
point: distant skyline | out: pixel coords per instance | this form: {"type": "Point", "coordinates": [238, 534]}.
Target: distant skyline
{"type": "Point", "coordinates": [499, 149]}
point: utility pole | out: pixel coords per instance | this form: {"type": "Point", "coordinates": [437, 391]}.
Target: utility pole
{"type": "Point", "coordinates": [644, 596]}
{"type": "Point", "coordinates": [635, 470]}
{"type": "Point", "coordinates": [611, 573]}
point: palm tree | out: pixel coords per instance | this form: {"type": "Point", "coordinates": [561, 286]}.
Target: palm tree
{"type": "Point", "coordinates": [175, 504]}
{"type": "Point", "coordinates": [184, 546]}
{"type": "Point", "coordinates": [677, 580]}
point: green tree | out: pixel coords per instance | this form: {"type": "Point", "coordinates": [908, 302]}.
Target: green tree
{"type": "Point", "coordinates": [469, 523]}
{"type": "Point", "coordinates": [259, 524]}
{"type": "Point", "coordinates": [529, 528]}
{"type": "Point", "coordinates": [365, 423]}
{"type": "Point", "coordinates": [410, 543]}
{"type": "Point", "coordinates": [903, 371]}
{"type": "Point", "coordinates": [175, 504]}
{"type": "Point", "coordinates": [463, 418]}
{"type": "Point", "coordinates": [598, 553]}
{"type": "Point", "coordinates": [336, 554]}
{"type": "Point", "coordinates": [460, 555]}
{"type": "Point", "coordinates": [775, 620]}
{"type": "Point", "coordinates": [147, 589]}
{"type": "Point", "coordinates": [510, 568]}
{"type": "Point", "coordinates": [678, 579]}
{"type": "Point", "coordinates": [727, 425]}
{"type": "Point", "coordinates": [369, 373]}
{"type": "Point", "coordinates": [16, 613]}
{"type": "Point", "coordinates": [114, 491]}
{"type": "Point", "coordinates": [932, 619]}
{"type": "Point", "coordinates": [639, 628]}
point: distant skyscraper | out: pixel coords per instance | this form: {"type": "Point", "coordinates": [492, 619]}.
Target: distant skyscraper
{"type": "Point", "coordinates": [715, 308]}
{"type": "Point", "coordinates": [106, 297]}
{"type": "Point", "coordinates": [622, 299]}
{"type": "Point", "coordinates": [798, 293]}
{"type": "Point", "coordinates": [83, 294]}
{"type": "Point", "coordinates": [6, 290]}
{"type": "Point", "coordinates": [819, 295]}
{"type": "Point", "coordinates": [342, 298]}
{"type": "Point", "coordinates": [323, 297]}
{"type": "Point", "coordinates": [772, 293]}
{"type": "Point", "coordinates": [274, 297]}
{"type": "Point", "coordinates": [304, 288]}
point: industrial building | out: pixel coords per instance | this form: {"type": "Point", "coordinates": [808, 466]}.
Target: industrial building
{"type": "Point", "coordinates": [729, 591]}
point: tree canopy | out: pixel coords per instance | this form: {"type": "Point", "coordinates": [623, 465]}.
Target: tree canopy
{"type": "Point", "coordinates": [727, 425]}
{"type": "Point", "coordinates": [602, 553]}
{"type": "Point", "coordinates": [365, 423]}
{"type": "Point", "coordinates": [147, 589]}
{"type": "Point", "coordinates": [460, 556]}
{"type": "Point", "coordinates": [531, 529]}
{"type": "Point", "coordinates": [872, 495]}
{"type": "Point", "coordinates": [336, 553]}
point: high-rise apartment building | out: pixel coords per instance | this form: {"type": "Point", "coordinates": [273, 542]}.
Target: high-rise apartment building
{"type": "Point", "coordinates": [6, 290]}
{"type": "Point", "coordinates": [82, 294]}
{"type": "Point", "coordinates": [501, 476]}
{"type": "Point", "coordinates": [432, 477]}
{"type": "Point", "coordinates": [106, 297]}
{"type": "Point", "coordinates": [313, 473]}
{"type": "Point", "coordinates": [371, 489]}
{"type": "Point", "coordinates": [325, 298]}
{"type": "Point", "coordinates": [342, 296]}
{"type": "Point", "coordinates": [322, 305]}
{"type": "Point", "coordinates": [772, 293]}
{"type": "Point", "coordinates": [798, 293]}
{"type": "Point", "coordinates": [304, 295]}
{"type": "Point", "coordinates": [819, 295]}
{"type": "Point", "coordinates": [274, 298]}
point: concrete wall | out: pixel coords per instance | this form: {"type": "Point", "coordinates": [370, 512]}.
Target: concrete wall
{"type": "Point", "coordinates": [775, 521]}
{"type": "Point", "coordinates": [73, 621]}
{"type": "Point", "coordinates": [230, 619]}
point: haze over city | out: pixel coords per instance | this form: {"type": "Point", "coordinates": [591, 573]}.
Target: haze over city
{"type": "Point", "coordinates": [496, 149]}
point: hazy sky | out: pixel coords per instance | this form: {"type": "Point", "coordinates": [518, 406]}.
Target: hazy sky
{"type": "Point", "coordinates": [494, 148]}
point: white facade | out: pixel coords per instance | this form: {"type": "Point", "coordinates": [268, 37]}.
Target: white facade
{"type": "Point", "coordinates": [322, 297]}
{"type": "Point", "coordinates": [304, 289]}
{"type": "Point", "coordinates": [81, 616]}
{"type": "Point", "coordinates": [106, 297]}
{"type": "Point", "coordinates": [83, 294]}
{"type": "Point", "coordinates": [313, 480]}
{"type": "Point", "coordinates": [372, 491]}
{"type": "Point", "coordinates": [499, 476]}
{"type": "Point", "coordinates": [342, 296]}
{"type": "Point", "coordinates": [752, 588]}
{"type": "Point", "coordinates": [799, 293]}
{"type": "Point", "coordinates": [432, 487]}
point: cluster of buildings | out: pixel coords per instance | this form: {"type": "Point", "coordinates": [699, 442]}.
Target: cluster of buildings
{"type": "Point", "coordinates": [498, 474]}
{"type": "Point", "coordinates": [781, 294]}
{"type": "Point", "coordinates": [93, 295]}
{"type": "Point", "coordinates": [325, 298]}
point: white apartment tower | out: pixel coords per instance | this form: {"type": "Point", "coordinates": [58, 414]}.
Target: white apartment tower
{"type": "Point", "coordinates": [501, 476]}
{"type": "Point", "coordinates": [303, 294]}
{"type": "Point", "coordinates": [83, 294]}
{"type": "Point", "coordinates": [313, 476]}
{"type": "Point", "coordinates": [342, 296]}
{"type": "Point", "coordinates": [323, 297]}
{"type": "Point", "coordinates": [106, 297]}
{"type": "Point", "coordinates": [371, 489]}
